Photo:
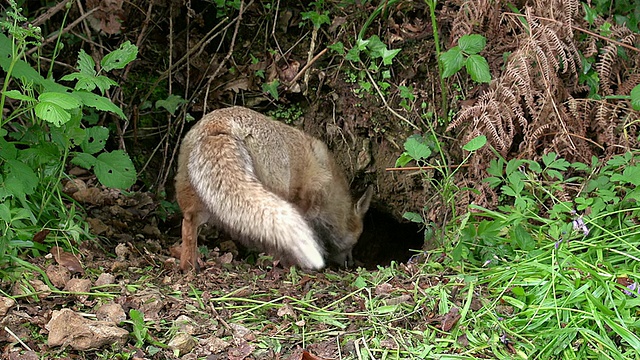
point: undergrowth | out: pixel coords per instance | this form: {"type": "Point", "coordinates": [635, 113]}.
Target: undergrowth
{"type": "Point", "coordinates": [45, 126]}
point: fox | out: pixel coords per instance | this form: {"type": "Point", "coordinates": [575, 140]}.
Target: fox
{"type": "Point", "coordinates": [270, 186]}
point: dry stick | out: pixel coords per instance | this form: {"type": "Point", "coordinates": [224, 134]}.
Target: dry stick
{"type": "Point", "coordinates": [49, 13]}
{"type": "Point", "coordinates": [229, 53]}
{"type": "Point", "coordinates": [199, 46]}
{"type": "Point", "coordinates": [87, 30]}
{"type": "Point", "coordinates": [273, 29]}
{"type": "Point", "coordinates": [386, 104]}
{"type": "Point", "coordinates": [431, 167]}
{"type": "Point", "coordinates": [581, 30]}
{"type": "Point", "coordinates": [166, 162]}
{"type": "Point", "coordinates": [65, 30]}
{"type": "Point", "coordinates": [17, 338]}
{"type": "Point", "coordinates": [307, 66]}
{"type": "Point", "coordinates": [312, 49]}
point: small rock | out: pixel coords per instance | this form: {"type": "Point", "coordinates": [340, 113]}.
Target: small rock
{"type": "Point", "coordinates": [68, 328]}
{"type": "Point", "coordinates": [186, 325]}
{"type": "Point", "coordinates": [215, 345]}
{"type": "Point", "coordinates": [89, 196]}
{"type": "Point", "coordinates": [79, 286]}
{"type": "Point", "coordinates": [74, 185]}
{"type": "Point", "coordinates": [122, 251]}
{"type": "Point", "coordinates": [182, 343]}
{"type": "Point", "coordinates": [105, 279]}
{"type": "Point", "coordinates": [111, 312]}
{"type": "Point", "coordinates": [59, 275]}
{"type": "Point", "coordinates": [151, 230]}
{"type": "Point", "coordinates": [36, 287]}
{"type": "Point", "coordinates": [6, 304]}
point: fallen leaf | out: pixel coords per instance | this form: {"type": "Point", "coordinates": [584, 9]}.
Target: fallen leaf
{"type": "Point", "coordinates": [67, 260]}
{"type": "Point", "coordinates": [450, 320]}
{"type": "Point", "coordinates": [41, 235]}
{"type": "Point", "coordinates": [308, 356]}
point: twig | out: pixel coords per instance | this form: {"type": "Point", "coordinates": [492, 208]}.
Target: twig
{"type": "Point", "coordinates": [386, 104]}
{"type": "Point", "coordinates": [49, 13]}
{"type": "Point", "coordinates": [55, 35]}
{"type": "Point", "coordinates": [431, 167]}
{"type": "Point", "coordinates": [229, 53]}
{"type": "Point", "coordinates": [17, 338]}
{"type": "Point", "coordinates": [307, 66]}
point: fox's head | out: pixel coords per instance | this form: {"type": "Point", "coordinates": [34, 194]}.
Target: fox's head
{"type": "Point", "coordinates": [340, 235]}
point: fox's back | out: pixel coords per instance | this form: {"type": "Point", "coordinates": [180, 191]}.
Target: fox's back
{"type": "Point", "coordinates": [286, 160]}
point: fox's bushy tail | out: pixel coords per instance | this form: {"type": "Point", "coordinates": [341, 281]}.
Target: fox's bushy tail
{"type": "Point", "coordinates": [222, 174]}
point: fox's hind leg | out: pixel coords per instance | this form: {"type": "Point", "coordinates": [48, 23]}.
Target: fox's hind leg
{"type": "Point", "coordinates": [194, 215]}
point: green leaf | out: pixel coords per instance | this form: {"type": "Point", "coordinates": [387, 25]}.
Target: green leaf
{"type": "Point", "coordinates": [316, 18]}
{"type": "Point", "coordinates": [416, 148]}
{"type": "Point", "coordinates": [452, 61]}
{"type": "Point", "coordinates": [337, 47]}
{"type": "Point", "coordinates": [478, 67]}
{"type": "Point", "coordinates": [630, 174]}
{"type": "Point", "coordinates": [17, 95]}
{"type": "Point", "coordinates": [522, 238]}
{"type": "Point", "coordinates": [635, 98]}
{"type": "Point", "coordinates": [62, 99]}
{"type": "Point", "coordinates": [5, 213]}
{"type": "Point", "coordinates": [388, 55]}
{"type": "Point", "coordinates": [413, 217]}
{"type": "Point", "coordinates": [98, 102]}
{"type": "Point", "coordinates": [84, 160]}
{"type": "Point", "coordinates": [376, 47]}
{"type": "Point", "coordinates": [472, 44]}
{"type": "Point", "coordinates": [386, 309]}
{"type": "Point", "coordinates": [119, 58]}
{"type": "Point", "coordinates": [86, 65]}
{"type": "Point", "coordinates": [475, 143]}
{"type": "Point", "coordinates": [52, 113]}
{"type": "Point", "coordinates": [20, 180]}
{"type": "Point", "coordinates": [353, 55]}
{"type": "Point", "coordinates": [171, 103]}
{"type": "Point", "coordinates": [115, 169]}
{"type": "Point", "coordinates": [95, 139]}
{"type": "Point", "coordinates": [272, 89]}
{"type": "Point", "coordinates": [140, 329]}
{"type": "Point", "coordinates": [403, 160]}
{"type": "Point", "coordinates": [360, 283]}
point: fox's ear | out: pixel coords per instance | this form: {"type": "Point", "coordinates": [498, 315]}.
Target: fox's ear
{"type": "Point", "coordinates": [363, 204]}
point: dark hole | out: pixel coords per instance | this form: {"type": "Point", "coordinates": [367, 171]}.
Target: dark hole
{"type": "Point", "coordinates": [384, 239]}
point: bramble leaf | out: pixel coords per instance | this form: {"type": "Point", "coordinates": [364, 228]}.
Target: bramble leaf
{"type": "Point", "coordinates": [452, 61]}
{"type": "Point", "coordinates": [478, 68]}
{"type": "Point", "coordinates": [115, 169]}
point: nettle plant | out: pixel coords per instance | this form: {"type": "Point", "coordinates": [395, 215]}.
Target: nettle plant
{"type": "Point", "coordinates": [49, 125]}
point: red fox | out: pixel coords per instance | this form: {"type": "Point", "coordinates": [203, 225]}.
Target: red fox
{"type": "Point", "coordinates": [269, 185]}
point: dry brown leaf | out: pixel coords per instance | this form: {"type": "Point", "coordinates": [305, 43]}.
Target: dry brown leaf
{"type": "Point", "coordinates": [450, 320]}
{"type": "Point", "coordinates": [66, 259]}
{"type": "Point", "coordinates": [41, 235]}
{"type": "Point", "coordinates": [309, 356]}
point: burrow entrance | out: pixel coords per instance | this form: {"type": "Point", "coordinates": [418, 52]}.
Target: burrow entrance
{"type": "Point", "coordinates": [384, 239]}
